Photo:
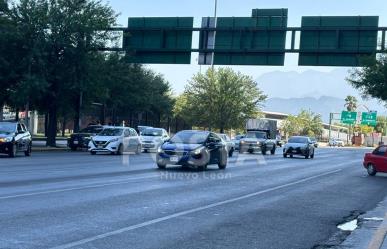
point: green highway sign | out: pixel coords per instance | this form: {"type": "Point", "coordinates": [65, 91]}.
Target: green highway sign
{"type": "Point", "coordinates": [368, 118]}
{"type": "Point", "coordinates": [348, 117]}
{"type": "Point", "coordinates": [328, 41]}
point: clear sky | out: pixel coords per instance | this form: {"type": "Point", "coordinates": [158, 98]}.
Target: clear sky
{"type": "Point", "coordinates": [178, 75]}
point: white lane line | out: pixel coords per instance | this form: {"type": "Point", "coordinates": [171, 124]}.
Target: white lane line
{"type": "Point", "coordinates": [77, 188]}
{"type": "Point", "coordinates": [190, 211]}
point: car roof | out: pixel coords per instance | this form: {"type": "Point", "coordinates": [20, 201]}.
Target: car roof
{"type": "Point", "coordinates": [299, 137]}
{"type": "Point", "coordinates": [194, 131]}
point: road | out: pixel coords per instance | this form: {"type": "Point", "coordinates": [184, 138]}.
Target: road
{"type": "Point", "coordinates": [75, 200]}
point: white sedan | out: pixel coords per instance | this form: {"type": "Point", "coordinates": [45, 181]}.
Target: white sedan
{"type": "Point", "coordinates": [153, 138]}
{"type": "Point", "coordinates": [115, 140]}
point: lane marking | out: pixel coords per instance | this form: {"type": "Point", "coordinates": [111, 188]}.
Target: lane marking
{"type": "Point", "coordinates": [76, 188]}
{"type": "Point", "coordinates": [190, 211]}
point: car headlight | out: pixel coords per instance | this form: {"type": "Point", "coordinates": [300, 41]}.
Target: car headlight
{"type": "Point", "coordinates": [113, 140]}
{"type": "Point", "coordinates": [6, 139]}
{"type": "Point", "coordinates": [258, 143]}
{"type": "Point", "coordinates": [242, 142]}
{"type": "Point", "coordinates": [197, 151]}
{"type": "Point", "coordinates": [160, 150]}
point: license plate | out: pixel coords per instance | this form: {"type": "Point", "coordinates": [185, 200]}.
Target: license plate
{"type": "Point", "coordinates": [174, 159]}
{"type": "Point", "coordinates": [75, 142]}
{"type": "Point", "coordinates": [294, 151]}
{"type": "Point", "coordinates": [147, 146]}
{"type": "Point", "coordinates": [100, 146]}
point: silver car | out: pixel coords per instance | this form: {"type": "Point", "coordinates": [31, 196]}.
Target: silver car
{"type": "Point", "coordinates": [230, 145]}
{"type": "Point", "coordinates": [153, 138]}
{"type": "Point", "coordinates": [236, 140]}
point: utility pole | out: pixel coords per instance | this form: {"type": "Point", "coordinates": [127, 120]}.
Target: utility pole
{"type": "Point", "coordinates": [330, 125]}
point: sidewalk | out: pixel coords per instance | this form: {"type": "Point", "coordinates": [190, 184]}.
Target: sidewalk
{"type": "Point", "coordinates": [371, 233]}
{"type": "Point", "coordinates": [39, 146]}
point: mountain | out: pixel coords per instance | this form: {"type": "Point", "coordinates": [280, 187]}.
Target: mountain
{"type": "Point", "coordinates": [322, 105]}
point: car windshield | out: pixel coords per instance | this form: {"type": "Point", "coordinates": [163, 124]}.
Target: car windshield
{"type": "Point", "coordinates": [258, 134]}
{"type": "Point", "coordinates": [92, 129]}
{"type": "Point", "coordinates": [152, 132]}
{"type": "Point", "coordinates": [298, 140]}
{"type": "Point", "coordinates": [111, 132]}
{"type": "Point", "coordinates": [189, 137]}
{"type": "Point", "coordinates": [239, 137]}
{"type": "Point", "coordinates": [224, 137]}
{"type": "Point", "coordinates": [7, 128]}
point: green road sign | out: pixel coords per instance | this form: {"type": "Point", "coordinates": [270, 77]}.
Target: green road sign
{"type": "Point", "coordinates": [348, 117]}
{"type": "Point", "coordinates": [159, 40]}
{"type": "Point", "coordinates": [240, 44]}
{"type": "Point", "coordinates": [337, 40]}
{"type": "Point", "coordinates": [368, 118]}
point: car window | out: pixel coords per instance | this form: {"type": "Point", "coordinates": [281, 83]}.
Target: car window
{"type": "Point", "coordinates": [381, 151]}
{"type": "Point", "coordinates": [213, 138]}
{"type": "Point", "coordinates": [298, 140]}
{"type": "Point", "coordinates": [258, 134]}
{"type": "Point", "coordinates": [7, 128]}
{"type": "Point", "coordinates": [189, 137]}
{"type": "Point", "coordinates": [133, 133]}
{"type": "Point", "coordinates": [126, 133]}
{"type": "Point", "coordinates": [111, 132]}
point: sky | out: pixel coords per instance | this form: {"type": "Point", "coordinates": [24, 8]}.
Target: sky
{"type": "Point", "coordinates": [178, 75]}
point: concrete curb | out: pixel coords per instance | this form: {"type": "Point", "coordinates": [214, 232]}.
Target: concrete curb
{"type": "Point", "coordinates": [372, 230]}
{"type": "Point", "coordinates": [45, 149]}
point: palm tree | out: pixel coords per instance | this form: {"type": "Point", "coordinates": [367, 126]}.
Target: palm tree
{"type": "Point", "coordinates": [351, 103]}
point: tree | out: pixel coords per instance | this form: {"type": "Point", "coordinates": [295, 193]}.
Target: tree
{"type": "Point", "coordinates": [306, 123]}
{"type": "Point", "coordinates": [350, 103]}
{"type": "Point", "coordinates": [371, 80]}
{"type": "Point", "coordinates": [221, 99]}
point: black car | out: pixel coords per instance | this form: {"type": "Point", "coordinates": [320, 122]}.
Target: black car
{"type": "Point", "coordinates": [193, 148]}
{"type": "Point", "coordinates": [14, 137]}
{"type": "Point", "coordinates": [82, 138]}
{"type": "Point", "coordinates": [299, 145]}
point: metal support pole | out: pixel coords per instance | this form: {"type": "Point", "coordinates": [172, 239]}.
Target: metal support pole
{"type": "Point", "coordinates": [213, 53]}
{"type": "Point", "coordinates": [330, 125]}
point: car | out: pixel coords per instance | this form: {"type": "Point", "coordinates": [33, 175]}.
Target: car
{"type": "Point", "coordinates": [14, 138]}
{"type": "Point", "coordinates": [314, 141]}
{"type": "Point", "coordinates": [140, 128]}
{"type": "Point", "coordinates": [257, 141]}
{"type": "Point", "coordinates": [336, 142]}
{"type": "Point", "coordinates": [82, 138]}
{"type": "Point", "coordinates": [236, 140]}
{"type": "Point", "coordinates": [153, 138]}
{"type": "Point", "coordinates": [230, 145]}
{"type": "Point", "coordinates": [299, 145]}
{"type": "Point", "coordinates": [115, 140]}
{"type": "Point", "coordinates": [193, 148]}
{"type": "Point", "coordinates": [376, 161]}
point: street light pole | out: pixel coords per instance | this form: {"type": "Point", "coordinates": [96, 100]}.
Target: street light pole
{"type": "Point", "coordinates": [215, 14]}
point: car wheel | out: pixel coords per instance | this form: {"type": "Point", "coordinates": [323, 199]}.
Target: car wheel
{"type": "Point", "coordinates": [120, 150]}
{"type": "Point", "coordinates": [371, 169]}
{"type": "Point", "coordinates": [93, 152]}
{"type": "Point", "coordinates": [312, 156]}
{"type": "Point", "coordinates": [307, 157]}
{"type": "Point", "coordinates": [28, 151]}
{"type": "Point", "coordinates": [161, 166]}
{"type": "Point", "coordinates": [145, 151]}
{"type": "Point", "coordinates": [73, 148]}
{"type": "Point", "coordinates": [230, 152]}
{"type": "Point", "coordinates": [222, 162]}
{"type": "Point", "coordinates": [264, 151]}
{"type": "Point", "coordinates": [291, 156]}
{"type": "Point", "coordinates": [13, 151]}
{"type": "Point", "coordinates": [285, 156]}
{"type": "Point", "coordinates": [273, 150]}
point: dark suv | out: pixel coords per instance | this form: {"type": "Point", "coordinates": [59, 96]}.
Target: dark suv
{"type": "Point", "coordinates": [14, 137]}
{"type": "Point", "coordinates": [82, 138]}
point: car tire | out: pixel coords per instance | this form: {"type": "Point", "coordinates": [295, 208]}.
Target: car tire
{"type": "Point", "coordinates": [223, 162]}
{"type": "Point", "coordinates": [13, 151]}
{"type": "Point", "coordinates": [145, 151]}
{"type": "Point", "coordinates": [231, 152]}
{"type": "Point", "coordinates": [285, 155]}
{"type": "Point", "coordinates": [161, 166]}
{"type": "Point", "coordinates": [312, 156]}
{"type": "Point", "coordinates": [28, 151]}
{"type": "Point", "coordinates": [202, 167]}
{"type": "Point", "coordinates": [93, 152]}
{"type": "Point", "coordinates": [263, 151]}
{"type": "Point", "coordinates": [120, 150]}
{"type": "Point", "coordinates": [73, 148]}
{"type": "Point", "coordinates": [291, 156]}
{"type": "Point", "coordinates": [371, 169]}
{"type": "Point", "coordinates": [272, 151]}
{"type": "Point", "coordinates": [307, 157]}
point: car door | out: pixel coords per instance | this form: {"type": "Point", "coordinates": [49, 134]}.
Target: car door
{"type": "Point", "coordinates": [126, 140]}
{"type": "Point", "coordinates": [19, 138]}
{"type": "Point", "coordinates": [214, 147]}
{"type": "Point", "coordinates": [134, 140]}
{"type": "Point", "coordinates": [379, 158]}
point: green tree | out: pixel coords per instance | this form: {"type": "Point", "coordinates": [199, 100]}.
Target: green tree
{"type": "Point", "coordinates": [351, 103]}
{"type": "Point", "coordinates": [371, 80]}
{"type": "Point", "coordinates": [306, 123]}
{"type": "Point", "coordinates": [220, 99]}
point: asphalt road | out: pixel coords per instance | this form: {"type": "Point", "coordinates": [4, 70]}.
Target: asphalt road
{"type": "Point", "coordinates": [75, 200]}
